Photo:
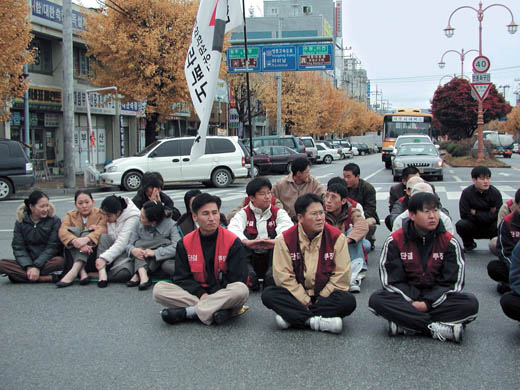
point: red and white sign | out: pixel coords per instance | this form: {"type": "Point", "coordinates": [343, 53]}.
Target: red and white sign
{"type": "Point", "coordinates": [481, 64]}
{"type": "Point", "coordinates": [338, 18]}
{"type": "Point", "coordinates": [481, 90]}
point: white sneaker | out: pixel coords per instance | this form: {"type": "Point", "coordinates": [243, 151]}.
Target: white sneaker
{"type": "Point", "coordinates": [326, 324]}
{"type": "Point", "coordinates": [355, 287]}
{"type": "Point", "coordinates": [445, 331]}
{"type": "Point", "coordinates": [281, 323]}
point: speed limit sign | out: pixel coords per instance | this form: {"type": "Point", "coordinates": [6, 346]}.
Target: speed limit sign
{"type": "Point", "coordinates": [481, 64]}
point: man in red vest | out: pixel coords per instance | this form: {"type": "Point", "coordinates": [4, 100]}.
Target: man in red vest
{"type": "Point", "coordinates": [311, 269]}
{"type": "Point", "coordinates": [422, 273]}
{"type": "Point", "coordinates": [257, 225]}
{"type": "Point", "coordinates": [508, 237]}
{"type": "Point", "coordinates": [210, 271]}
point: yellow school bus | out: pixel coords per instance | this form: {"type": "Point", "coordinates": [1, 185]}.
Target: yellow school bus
{"type": "Point", "coordinates": [403, 121]}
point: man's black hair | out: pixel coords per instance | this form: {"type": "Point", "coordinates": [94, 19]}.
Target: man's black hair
{"type": "Point", "coordinates": [187, 197]}
{"type": "Point", "coordinates": [354, 168]}
{"type": "Point", "coordinates": [299, 165]}
{"type": "Point", "coordinates": [339, 189]}
{"type": "Point", "coordinates": [154, 211]}
{"type": "Point", "coordinates": [152, 180]}
{"type": "Point", "coordinates": [479, 171]}
{"type": "Point", "coordinates": [257, 184]}
{"type": "Point", "coordinates": [304, 201]}
{"type": "Point", "coordinates": [203, 199]}
{"type": "Point", "coordinates": [337, 180]}
{"type": "Point", "coordinates": [422, 199]}
{"type": "Point", "coordinates": [517, 196]}
{"type": "Point", "coordinates": [409, 170]}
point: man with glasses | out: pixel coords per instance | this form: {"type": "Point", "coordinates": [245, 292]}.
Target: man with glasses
{"type": "Point", "coordinates": [478, 206]}
{"type": "Point", "coordinates": [257, 225]}
{"type": "Point", "coordinates": [311, 269]}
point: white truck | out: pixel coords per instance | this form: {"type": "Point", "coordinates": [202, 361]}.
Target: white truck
{"type": "Point", "coordinates": [503, 142]}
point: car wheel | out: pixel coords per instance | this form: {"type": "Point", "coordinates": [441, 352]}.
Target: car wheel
{"type": "Point", "coordinates": [388, 164]}
{"type": "Point", "coordinates": [327, 159]}
{"type": "Point", "coordinates": [362, 153]}
{"type": "Point", "coordinates": [288, 168]}
{"type": "Point", "coordinates": [221, 177]}
{"type": "Point", "coordinates": [440, 178]}
{"type": "Point", "coordinates": [255, 171]}
{"type": "Point", "coordinates": [132, 181]}
{"type": "Point", "coordinates": [6, 189]}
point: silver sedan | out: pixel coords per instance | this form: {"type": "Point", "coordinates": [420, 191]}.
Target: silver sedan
{"type": "Point", "coordinates": [423, 156]}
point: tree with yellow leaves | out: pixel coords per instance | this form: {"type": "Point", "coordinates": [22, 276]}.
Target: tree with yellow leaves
{"type": "Point", "coordinates": [512, 124]}
{"type": "Point", "coordinates": [15, 36]}
{"type": "Point", "coordinates": [140, 47]}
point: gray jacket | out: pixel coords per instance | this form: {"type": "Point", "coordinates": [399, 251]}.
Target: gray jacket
{"type": "Point", "coordinates": [166, 229]}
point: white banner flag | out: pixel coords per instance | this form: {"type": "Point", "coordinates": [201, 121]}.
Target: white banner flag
{"type": "Point", "coordinates": [214, 19]}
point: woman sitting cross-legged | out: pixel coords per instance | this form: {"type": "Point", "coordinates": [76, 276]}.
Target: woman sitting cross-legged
{"type": "Point", "coordinates": [122, 218]}
{"type": "Point", "coordinates": [79, 232]}
{"type": "Point", "coordinates": [36, 246]}
{"type": "Point", "coordinates": [153, 245]}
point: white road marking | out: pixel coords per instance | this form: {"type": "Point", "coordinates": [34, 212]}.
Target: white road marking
{"type": "Point", "coordinates": [505, 188]}
{"type": "Point", "coordinates": [373, 174]}
{"type": "Point", "coordinates": [382, 195]}
{"type": "Point", "coordinates": [440, 189]}
{"type": "Point", "coordinates": [451, 195]}
{"type": "Point", "coordinates": [457, 179]}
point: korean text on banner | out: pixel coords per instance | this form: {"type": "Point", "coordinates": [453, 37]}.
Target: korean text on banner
{"type": "Point", "coordinates": [214, 19]}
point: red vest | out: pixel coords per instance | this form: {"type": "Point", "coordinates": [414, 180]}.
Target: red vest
{"type": "Point", "coordinates": [347, 222]}
{"type": "Point", "coordinates": [247, 200]}
{"type": "Point", "coordinates": [515, 232]}
{"type": "Point", "coordinates": [191, 241]}
{"type": "Point", "coordinates": [411, 258]}
{"type": "Point", "coordinates": [509, 203]}
{"type": "Point", "coordinates": [326, 263]}
{"type": "Point", "coordinates": [251, 231]}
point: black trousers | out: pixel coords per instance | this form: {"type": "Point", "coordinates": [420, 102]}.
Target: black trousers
{"type": "Point", "coordinates": [337, 304]}
{"type": "Point", "coordinates": [498, 270]}
{"type": "Point", "coordinates": [388, 222]}
{"type": "Point", "coordinates": [510, 303]}
{"type": "Point", "coordinates": [458, 307]}
{"type": "Point", "coordinates": [469, 230]}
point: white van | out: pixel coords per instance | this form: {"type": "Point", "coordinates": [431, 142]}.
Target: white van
{"type": "Point", "coordinates": [223, 161]}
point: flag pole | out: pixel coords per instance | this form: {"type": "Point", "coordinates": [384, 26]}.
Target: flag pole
{"type": "Point", "coordinates": [248, 93]}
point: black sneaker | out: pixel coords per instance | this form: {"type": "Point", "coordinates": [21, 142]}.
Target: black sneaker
{"type": "Point", "coordinates": [173, 316]}
{"type": "Point", "coordinates": [470, 247]}
{"type": "Point", "coordinates": [252, 282]}
{"type": "Point", "coordinates": [221, 316]}
{"type": "Point", "coordinates": [502, 288]}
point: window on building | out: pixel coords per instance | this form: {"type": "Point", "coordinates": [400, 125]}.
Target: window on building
{"type": "Point", "coordinates": [43, 58]}
{"type": "Point", "coordinates": [274, 11]}
{"type": "Point", "coordinates": [82, 63]}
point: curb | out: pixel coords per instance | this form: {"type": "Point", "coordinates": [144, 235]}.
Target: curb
{"type": "Point", "coordinates": [63, 191]}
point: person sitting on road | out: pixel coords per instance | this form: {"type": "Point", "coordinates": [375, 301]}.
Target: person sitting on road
{"type": "Point", "coordinates": [422, 273]}
{"type": "Point", "coordinates": [274, 202]}
{"type": "Point", "coordinates": [401, 204]}
{"type": "Point", "coordinates": [311, 269]}
{"type": "Point", "coordinates": [507, 208]}
{"type": "Point", "coordinates": [112, 263]}
{"type": "Point", "coordinates": [152, 245]}
{"type": "Point", "coordinates": [510, 301]}
{"type": "Point", "coordinates": [36, 247]}
{"type": "Point", "coordinates": [478, 207]}
{"type": "Point", "coordinates": [508, 237]}
{"type": "Point", "coordinates": [151, 189]}
{"type": "Point", "coordinates": [79, 233]}
{"type": "Point", "coordinates": [419, 187]}
{"type": "Point", "coordinates": [295, 184]}
{"type": "Point", "coordinates": [344, 214]}
{"type": "Point", "coordinates": [186, 223]}
{"type": "Point", "coordinates": [257, 225]}
{"type": "Point", "coordinates": [399, 190]}
{"type": "Point", "coordinates": [362, 192]}
{"type": "Point", "coordinates": [210, 271]}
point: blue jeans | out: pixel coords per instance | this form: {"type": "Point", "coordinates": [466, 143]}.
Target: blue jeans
{"type": "Point", "coordinates": [357, 256]}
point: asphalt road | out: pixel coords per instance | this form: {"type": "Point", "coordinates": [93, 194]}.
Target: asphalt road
{"type": "Point", "coordinates": [86, 337]}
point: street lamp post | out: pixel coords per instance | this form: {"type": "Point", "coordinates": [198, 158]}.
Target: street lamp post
{"type": "Point", "coordinates": [462, 55]}
{"type": "Point", "coordinates": [512, 27]}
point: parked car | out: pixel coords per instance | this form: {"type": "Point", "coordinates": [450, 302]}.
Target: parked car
{"type": "Point", "coordinates": [334, 145]}
{"type": "Point", "coordinates": [281, 157]}
{"type": "Point", "coordinates": [516, 147]}
{"type": "Point", "coordinates": [326, 154]}
{"type": "Point", "coordinates": [16, 170]}
{"type": "Point", "coordinates": [310, 147]}
{"type": "Point", "coordinates": [262, 164]}
{"type": "Point", "coordinates": [355, 151]}
{"type": "Point", "coordinates": [290, 141]}
{"type": "Point", "coordinates": [362, 148]}
{"type": "Point", "coordinates": [223, 161]}
{"type": "Point", "coordinates": [424, 156]}
{"type": "Point", "coordinates": [346, 147]}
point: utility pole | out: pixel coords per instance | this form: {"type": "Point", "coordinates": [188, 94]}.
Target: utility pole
{"type": "Point", "coordinates": [504, 90]}
{"type": "Point", "coordinates": [68, 102]}
{"type": "Point", "coordinates": [27, 120]}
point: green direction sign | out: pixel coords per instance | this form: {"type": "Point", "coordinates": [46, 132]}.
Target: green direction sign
{"type": "Point", "coordinates": [239, 52]}
{"type": "Point", "coordinates": [315, 49]}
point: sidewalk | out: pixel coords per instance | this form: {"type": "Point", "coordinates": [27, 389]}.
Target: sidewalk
{"type": "Point", "coordinates": [55, 187]}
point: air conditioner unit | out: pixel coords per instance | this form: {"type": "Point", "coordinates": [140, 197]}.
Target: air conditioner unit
{"type": "Point", "coordinates": [307, 9]}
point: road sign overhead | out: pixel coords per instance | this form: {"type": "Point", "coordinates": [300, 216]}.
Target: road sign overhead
{"type": "Point", "coordinates": [481, 90]}
{"type": "Point", "coordinates": [481, 64]}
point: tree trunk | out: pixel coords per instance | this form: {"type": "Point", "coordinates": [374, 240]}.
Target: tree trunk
{"type": "Point", "coordinates": [151, 128]}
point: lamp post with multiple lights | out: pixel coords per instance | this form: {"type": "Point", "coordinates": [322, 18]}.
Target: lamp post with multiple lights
{"type": "Point", "coordinates": [462, 54]}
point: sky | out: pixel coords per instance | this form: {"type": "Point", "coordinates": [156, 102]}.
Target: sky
{"type": "Point", "coordinates": [401, 42]}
